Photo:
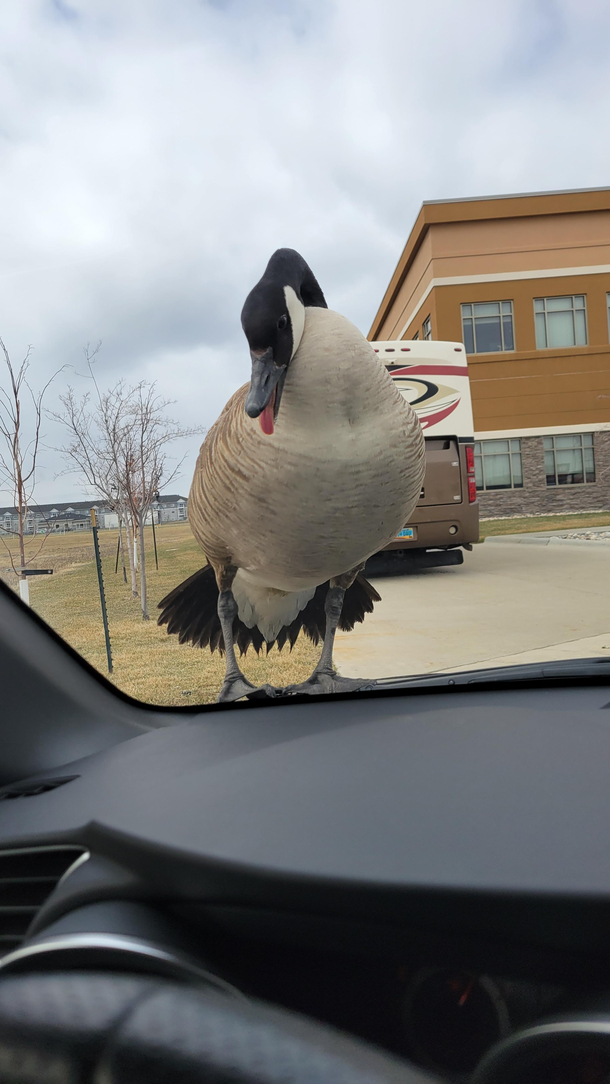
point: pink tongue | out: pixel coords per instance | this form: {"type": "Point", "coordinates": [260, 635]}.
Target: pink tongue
{"type": "Point", "coordinates": [266, 418]}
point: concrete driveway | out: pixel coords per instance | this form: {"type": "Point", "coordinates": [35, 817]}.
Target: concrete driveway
{"type": "Point", "coordinates": [509, 602]}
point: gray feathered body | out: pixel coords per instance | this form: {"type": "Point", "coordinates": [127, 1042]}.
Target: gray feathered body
{"type": "Point", "coordinates": [333, 484]}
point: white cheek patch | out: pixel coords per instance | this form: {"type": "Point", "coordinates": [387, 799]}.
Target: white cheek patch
{"type": "Point", "coordinates": [296, 311]}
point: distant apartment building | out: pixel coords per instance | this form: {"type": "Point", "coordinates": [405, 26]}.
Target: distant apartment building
{"type": "Point", "coordinates": [524, 282]}
{"type": "Point", "coordinates": [76, 516]}
{"type": "Point", "coordinates": [171, 508]}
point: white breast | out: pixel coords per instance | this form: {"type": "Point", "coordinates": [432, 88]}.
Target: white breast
{"type": "Point", "coordinates": [267, 608]}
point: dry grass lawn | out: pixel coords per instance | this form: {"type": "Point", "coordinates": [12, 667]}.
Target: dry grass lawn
{"type": "Point", "coordinates": [148, 664]}
{"type": "Point", "coordinates": [527, 524]}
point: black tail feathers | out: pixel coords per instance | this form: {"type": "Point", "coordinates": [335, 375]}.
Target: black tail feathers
{"type": "Point", "coordinates": [190, 612]}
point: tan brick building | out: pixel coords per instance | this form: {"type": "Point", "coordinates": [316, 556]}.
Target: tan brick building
{"type": "Point", "coordinates": [524, 282]}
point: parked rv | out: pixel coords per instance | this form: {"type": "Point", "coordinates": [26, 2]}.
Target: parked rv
{"type": "Point", "coordinates": [433, 377]}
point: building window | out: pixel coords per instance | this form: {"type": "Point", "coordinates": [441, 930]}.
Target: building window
{"type": "Point", "coordinates": [560, 321]}
{"type": "Point", "coordinates": [488, 327]}
{"type": "Point", "coordinates": [416, 336]}
{"type": "Point", "coordinates": [497, 464]}
{"type": "Point", "coordinates": [569, 460]}
{"type": "Point", "coordinates": [426, 329]}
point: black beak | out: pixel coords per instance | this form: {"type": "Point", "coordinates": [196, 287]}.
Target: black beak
{"type": "Point", "coordinates": [266, 376]}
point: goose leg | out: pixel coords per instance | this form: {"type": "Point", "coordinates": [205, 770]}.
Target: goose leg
{"type": "Point", "coordinates": [235, 683]}
{"type": "Point", "coordinates": [325, 678]}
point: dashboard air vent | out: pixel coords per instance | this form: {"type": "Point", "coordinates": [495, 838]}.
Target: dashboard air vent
{"type": "Point", "coordinates": [27, 878]}
{"type": "Point", "coordinates": [40, 786]}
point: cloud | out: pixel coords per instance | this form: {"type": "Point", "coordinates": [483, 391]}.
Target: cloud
{"type": "Point", "coordinates": [153, 155]}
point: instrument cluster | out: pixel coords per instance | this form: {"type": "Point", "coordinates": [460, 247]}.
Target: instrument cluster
{"type": "Point", "coordinates": [453, 1017]}
{"type": "Point", "coordinates": [472, 1027]}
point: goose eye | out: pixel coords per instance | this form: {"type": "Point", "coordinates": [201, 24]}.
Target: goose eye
{"type": "Point", "coordinates": [282, 322]}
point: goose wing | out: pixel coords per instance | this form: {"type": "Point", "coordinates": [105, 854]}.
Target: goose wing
{"type": "Point", "coordinates": [190, 611]}
{"type": "Point", "coordinates": [215, 475]}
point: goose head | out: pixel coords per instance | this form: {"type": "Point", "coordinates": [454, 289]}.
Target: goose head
{"type": "Point", "coordinates": [273, 319]}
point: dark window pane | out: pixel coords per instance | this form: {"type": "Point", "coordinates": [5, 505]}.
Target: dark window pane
{"type": "Point", "coordinates": [517, 472]}
{"type": "Point", "coordinates": [569, 440]}
{"type": "Point", "coordinates": [559, 304]}
{"type": "Point", "coordinates": [468, 336]}
{"type": "Point", "coordinates": [488, 335]}
{"type": "Point", "coordinates": [561, 329]}
{"type": "Point", "coordinates": [569, 460]}
{"type": "Point", "coordinates": [569, 467]}
{"type": "Point", "coordinates": [487, 308]}
{"type": "Point", "coordinates": [549, 466]}
{"type": "Point", "coordinates": [491, 447]}
{"type": "Point", "coordinates": [540, 331]}
{"type": "Point", "coordinates": [589, 465]}
{"type": "Point", "coordinates": [507, 326]}
{"type": "Point", "coordinates": [497, 472]}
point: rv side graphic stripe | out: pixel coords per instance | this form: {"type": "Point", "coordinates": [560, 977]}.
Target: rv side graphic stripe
{"type": "Point", "coordinates": [434, 419]}
{"type": "Point", "coordinates": [431, 370]}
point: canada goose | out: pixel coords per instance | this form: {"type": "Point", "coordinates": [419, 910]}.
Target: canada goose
{"type": "Point", "coordinates": [309, 470]}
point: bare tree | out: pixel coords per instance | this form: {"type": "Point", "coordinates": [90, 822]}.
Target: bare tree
{"type": "Point", "coordinates": [119, 445]}
{"type": "Point", "coordinates": [97, 436]}
{"type": "Point", "coordinates": [149, 467]}
{"type": "Point", "coordinates": [20, 424]}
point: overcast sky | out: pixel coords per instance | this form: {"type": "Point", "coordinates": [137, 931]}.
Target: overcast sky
{"type": "Point", "coordinates": [154, 153]}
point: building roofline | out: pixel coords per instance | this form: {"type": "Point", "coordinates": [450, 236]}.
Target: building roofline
{"type": "Point", "coordinates": [517, 195]}
{"type": "Point", "coordinates": [480, 209]}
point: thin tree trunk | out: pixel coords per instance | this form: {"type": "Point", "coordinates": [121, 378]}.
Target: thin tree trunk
{"type": "Point", "coordinates": [145, 613]}
{"type": "Point", "coordinates": [122, 549]}
{"type": "Point", "coordinates": [132, 567]}
{"type": "Point", "coordinates": [23, 590]}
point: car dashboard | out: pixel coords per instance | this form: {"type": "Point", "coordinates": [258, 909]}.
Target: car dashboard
{"type": "Point", "coordinates": [428, 871]}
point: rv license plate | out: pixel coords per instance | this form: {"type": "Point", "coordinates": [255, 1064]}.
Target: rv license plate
{"type": "Point", "coordinates": [407, 532]}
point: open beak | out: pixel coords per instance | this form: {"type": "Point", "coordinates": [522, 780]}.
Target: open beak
{"type": "Point", "coordinates": [265, 392]}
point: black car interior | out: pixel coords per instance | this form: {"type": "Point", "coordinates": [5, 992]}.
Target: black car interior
{"type": "Point", "coordinates": [407, 884]}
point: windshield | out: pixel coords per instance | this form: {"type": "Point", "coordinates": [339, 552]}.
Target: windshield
{"type": "Point", "coordinates": [294, 397]}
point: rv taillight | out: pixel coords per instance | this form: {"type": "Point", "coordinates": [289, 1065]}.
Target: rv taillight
{"type": "Point", "coordinates": [472, 490]}
{"type": "Point", "coordinates": [470, 459]}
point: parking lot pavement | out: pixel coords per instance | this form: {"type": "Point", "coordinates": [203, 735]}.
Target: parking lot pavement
{"type": "Point", "coordinates": [508, 603]}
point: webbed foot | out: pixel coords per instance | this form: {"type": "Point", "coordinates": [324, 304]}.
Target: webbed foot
{"type": "Point", "coordinates": [324, 682]}
{"type": "Point", "coordinates": [234, 688]}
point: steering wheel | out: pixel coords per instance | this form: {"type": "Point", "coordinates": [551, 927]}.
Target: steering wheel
{"type": "Point", "coordinates": [96, 1028]}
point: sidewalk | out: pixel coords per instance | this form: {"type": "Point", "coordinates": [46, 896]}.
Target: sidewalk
{"type": "Point", "coordinates": [509, 602]}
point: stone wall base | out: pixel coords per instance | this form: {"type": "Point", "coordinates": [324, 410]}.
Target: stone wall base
{"type": "Point", "coordinates": [536, 498]}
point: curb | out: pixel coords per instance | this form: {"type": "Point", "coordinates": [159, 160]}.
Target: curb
{"type": "Point", "coordinates": [545, 540]}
